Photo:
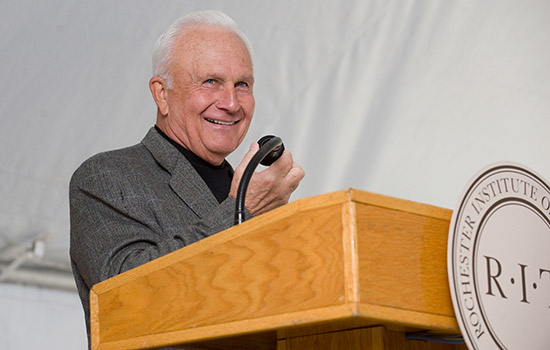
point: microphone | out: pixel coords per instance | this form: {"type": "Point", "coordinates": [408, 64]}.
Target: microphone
{"type": "Point", "coordinates": [271, 148]}
{"type": "Point", "coordinates": [275, 153]}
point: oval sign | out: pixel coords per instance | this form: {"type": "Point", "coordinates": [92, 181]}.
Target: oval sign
{"type": "Point", "coordinates": [498, 259]}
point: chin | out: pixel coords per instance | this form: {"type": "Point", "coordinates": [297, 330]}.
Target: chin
{"type": "Point", "coordinates": [221, 152]}
{"type": "Point", "coordinates": [225, 147]}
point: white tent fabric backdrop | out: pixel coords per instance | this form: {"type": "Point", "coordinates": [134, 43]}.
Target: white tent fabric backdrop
{"type": "Point", "coordinates": [404, 98]}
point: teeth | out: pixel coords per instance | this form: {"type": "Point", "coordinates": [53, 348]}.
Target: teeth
{"type": "Point", "coordinates": [219, 122]}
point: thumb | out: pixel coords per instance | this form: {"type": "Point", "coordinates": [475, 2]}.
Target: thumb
{"type": "Point", "coordinates": [241, 168]}
{"type": "Point", "coordinates": [254, 147]}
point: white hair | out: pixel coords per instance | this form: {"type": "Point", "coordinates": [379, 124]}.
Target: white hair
{"type": "Point", "coordinates": [162, 51]}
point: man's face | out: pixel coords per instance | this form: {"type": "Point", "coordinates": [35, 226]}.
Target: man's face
{"type": "Point", "coordinates": [210, 106]}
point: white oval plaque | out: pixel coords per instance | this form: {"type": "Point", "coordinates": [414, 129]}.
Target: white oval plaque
{"type": "Point", "coordinates": [499, 260]}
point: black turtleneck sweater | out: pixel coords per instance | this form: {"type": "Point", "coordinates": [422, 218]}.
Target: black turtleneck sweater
{"type": "Point", "coordinates": [217, 177]}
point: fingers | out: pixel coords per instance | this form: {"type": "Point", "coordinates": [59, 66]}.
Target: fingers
{"type": "Point", "coordinates": [271, 187]}
{"type": "Point", "coordinates": [282, 165]}
{"type": "Point", "coordinates": [294, 176]}
{"type": "Point", "coordinates": [291, 171]}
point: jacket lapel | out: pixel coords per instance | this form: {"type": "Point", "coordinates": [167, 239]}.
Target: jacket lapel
{"type": "Point", "coordinates": [185, 181]}
{"type": "Point", "coordinates": [190, 187]}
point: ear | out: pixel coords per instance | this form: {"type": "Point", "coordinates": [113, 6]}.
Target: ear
{"type": "Point", "coordinates": [157, 85]}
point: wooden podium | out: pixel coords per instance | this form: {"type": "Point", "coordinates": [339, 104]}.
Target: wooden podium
{"type": "Point", "coordinates": [344, 270]}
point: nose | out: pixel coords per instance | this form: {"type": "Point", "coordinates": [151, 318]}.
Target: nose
{"type": "Point", "coordinates": [228, 99]}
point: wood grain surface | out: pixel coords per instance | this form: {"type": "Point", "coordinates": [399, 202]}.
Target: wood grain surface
{"type": "Point", "coordinates": [347, 259]}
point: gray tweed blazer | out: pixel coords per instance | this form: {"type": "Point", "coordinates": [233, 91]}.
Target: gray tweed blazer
{"type": "Point", "coordinates": [132, 205]}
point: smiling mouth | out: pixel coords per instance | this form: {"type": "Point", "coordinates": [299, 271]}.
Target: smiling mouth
{"type": "Point", "coordinates": [219, 122]}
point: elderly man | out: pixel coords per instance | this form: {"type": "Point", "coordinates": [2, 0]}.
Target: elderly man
{"type": "Point", "coordinates": [136, 204]}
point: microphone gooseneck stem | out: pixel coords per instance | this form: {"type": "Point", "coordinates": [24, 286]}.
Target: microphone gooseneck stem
{"type": "Point", "coordinates": [247, 175]}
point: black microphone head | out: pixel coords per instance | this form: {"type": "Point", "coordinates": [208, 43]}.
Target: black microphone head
{"type": "Point", "coordinates": [274, 154]}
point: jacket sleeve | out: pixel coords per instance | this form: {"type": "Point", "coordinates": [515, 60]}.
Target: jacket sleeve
{"type": "Point", "coordinates": [118, 223]}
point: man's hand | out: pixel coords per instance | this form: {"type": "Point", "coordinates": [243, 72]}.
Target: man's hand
{"type": "Point", "coordinates": [271, 187]}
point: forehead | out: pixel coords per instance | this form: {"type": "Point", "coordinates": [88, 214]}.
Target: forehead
{"type": "Point", "coordinates": [202, 45]}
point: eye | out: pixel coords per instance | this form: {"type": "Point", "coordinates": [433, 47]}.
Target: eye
{"type": "Point", "coordinates": [242, 84]}
{"type": "Point", "coordinates": [209, 81]}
